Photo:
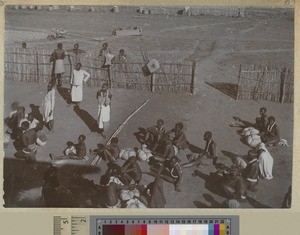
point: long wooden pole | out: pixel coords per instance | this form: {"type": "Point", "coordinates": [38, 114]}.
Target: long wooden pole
{"type": "Point", "coordinates": [125, 121]}
{"type": "Point", "coordinates": [119, 129]}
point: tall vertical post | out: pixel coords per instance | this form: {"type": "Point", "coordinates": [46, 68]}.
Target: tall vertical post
{"type": "Point", "coordinates": [193, 77]}
{"type": "Point", "coordinates": [152, 86]}
{"type": "Point", "coordinates": [239, 80]}
{"type": "Point", "coordinates": [37, 67]}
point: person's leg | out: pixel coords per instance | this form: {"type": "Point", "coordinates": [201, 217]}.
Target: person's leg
{"type": "Point", "coordinates": [59, 77]}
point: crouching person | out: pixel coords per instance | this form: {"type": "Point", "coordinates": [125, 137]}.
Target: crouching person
{"type": "Point", "coordinates": [112, 191]}
{"type": "Point", "coordinates": [28, 141]}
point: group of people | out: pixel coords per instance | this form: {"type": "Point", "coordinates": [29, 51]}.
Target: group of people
{"type": "Point", "coordinates": [170, 150]}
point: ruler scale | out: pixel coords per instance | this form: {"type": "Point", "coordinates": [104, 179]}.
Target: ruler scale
{"type": "Point", "coordinates": [146, 225]}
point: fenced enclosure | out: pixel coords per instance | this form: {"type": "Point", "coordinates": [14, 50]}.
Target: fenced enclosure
{"type": "Point", "coordinates": [265, 82]}
{"type": "Point", "coordinates": [29, 65]}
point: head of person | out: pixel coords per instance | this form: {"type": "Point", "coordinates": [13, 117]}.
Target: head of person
{"type": "Point", "coordinates": [207, 135]}
{"type": "Point", "coordinates": [25, 125]}
{"type": "Point", "coordinates": [70, 143]}
{"type": "Point", "coordinates": [174, 159]}
{"type": "Point", "coordinates": [78, 66]}
{"type": "Point", "coordinates": [76, 46]}
{"type": "Point", "coordinates": [49, 86]}
{"type": "Point", "coordinates": [30, 117]}
{"type": "Point", "coordinates": [59, 45]}
{"type": "Point", "coordinates": [100, 146]}
{"type": "Point", "coordinates": [114, 140]}
{"type": "Point", "coordinates": [39, 126]}
{"type": "Point", "coordinates": [271, 120]}
{"type": "Point", "coordinates": [104, 180]}
{"type": "Point", "coordinates": [81, 138]}
{"type": "Point", "coordinates": [21, 112]}
{"type": "Point", "coordinates": [105, 45]}
{"type": "Point", "coordinates": [14, 105]}
{"type": "Point", "coordinates": [122, 52]}
{"type": "Point", "coordinates": [160, 123]}
{"type": "Point", "coordinates": [104, 87]}
{"type": "Point", "coordinates": [24, 45]}
{"type": "Point", "coordinates": [262, 110]}
{"type": "Point", "coordinates": [179, 126]}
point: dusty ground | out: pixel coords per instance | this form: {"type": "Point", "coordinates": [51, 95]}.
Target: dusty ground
{"type": "Point", "coordinates": [218, 44]}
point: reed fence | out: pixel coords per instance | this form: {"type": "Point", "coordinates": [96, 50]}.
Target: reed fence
{"type": "Point", "coordinates": [265, 82]}
{"type": "Point", "coordinates": [30, 65]}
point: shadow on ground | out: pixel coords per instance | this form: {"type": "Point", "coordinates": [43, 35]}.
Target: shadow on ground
{"type": "Point", "coordinates": [23, 184]}
{"type": "Point", "coordinates": [229, 89]}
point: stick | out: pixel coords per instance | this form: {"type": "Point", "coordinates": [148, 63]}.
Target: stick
{"type": "Point", "coordinates": [120, 128]}
{"type": "Point", "coordinates": [125, 121]}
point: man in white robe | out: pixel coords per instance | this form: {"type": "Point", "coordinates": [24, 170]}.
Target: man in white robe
{"type": "Point", "coordinates": [49, 103]}
{"type": "Point", "coordinates": [265, 162]}
{"type": "Point", "coordinates": [79, 77]}
{"type": "Point", "coordinates": [104, 98]}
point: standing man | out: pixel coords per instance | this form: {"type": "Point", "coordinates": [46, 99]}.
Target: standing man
{"type": "Point", "coordinates": [57, 58]}
{"type": "Point", "coordinates": [49, 103]}
{"type": "Point", "coordinates": [104, 99]}
{"type": "Point", "coordinates": [210, 147]}
{"type": "Point", "coordinates": [79, 77]}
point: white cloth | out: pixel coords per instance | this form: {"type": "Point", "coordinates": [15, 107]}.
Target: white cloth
{"type": "Point", "coordinates": [265, 162]}
{"type": "Point", "coordinates": [251, 136]}
{"type": "Point", "coordinates": [59, 66]}
{"type": "Point", "coordinates": [49, 103]}
{"type": "Point", "coordinates": [103, 110]}
{"type": "Point", "coordinates": [31, 124]}
{"type": "Point", "coordinates": [78, 78]}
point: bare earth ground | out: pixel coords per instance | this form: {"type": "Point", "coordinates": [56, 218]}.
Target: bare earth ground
{"type": "Point", "coordinates": [218, 44]}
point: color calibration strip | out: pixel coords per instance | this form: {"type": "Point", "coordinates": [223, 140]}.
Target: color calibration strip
{"type": "Point", "coordinates": [166, 226]}
{"type": "Point", "coordinates": [165, 229]}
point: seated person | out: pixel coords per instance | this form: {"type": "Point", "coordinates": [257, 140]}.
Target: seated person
{"type": "Point", "coordinates": [154, 134]}
{"type": "Point", "coordinates": [262, 121]}
{"type": "Point", "coordinates": [271, 135]}
{"type": "Point", "coordinates": [103, 152]}
{"type": "Point", "coordinates": [12, 119]}
{"type": "Point", "coordinates": [112, 191]}
{"type": "Point", "coordinates": [73, 151]}
{"type": "Point", "coordinates": [169, 170]}
{"type": "Point", "coordinates": [32, 121]}
{"type": "Point", "coordinates": [168, 148]}
{"type": "Point", "coordinates": [41, 136]}
{"type": "Point", "coordinates": [131, 170]}
{"type": "Point", "coordinates": [210, 147]}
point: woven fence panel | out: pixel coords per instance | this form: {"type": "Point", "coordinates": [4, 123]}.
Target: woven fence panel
{"type": "Point", "coordinates": [265, 82]}
{"type": "Point", "coordinates": [27, 65]}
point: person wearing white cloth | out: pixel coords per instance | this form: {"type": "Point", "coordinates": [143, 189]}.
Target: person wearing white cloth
{"type": "Point", "coordinates": [49, 103]}
{"type": "Point", "coordinates": [104, 98]}
{"type": "Point", "coordinates": [79, 77]}
{"type": "Point", "coordinates": [265, 162]}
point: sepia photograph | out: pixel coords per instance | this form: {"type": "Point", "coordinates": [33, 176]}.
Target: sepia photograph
{"type": "Point", "coordinates": [148, 106]}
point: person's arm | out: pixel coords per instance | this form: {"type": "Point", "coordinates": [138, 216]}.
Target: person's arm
{"type": "Point", "coordinates": [72, 79]}
{"type": "Point", "coordinates": [81, 151]}
{"type": "Point", "coordinates": [87, 76]}
{"type": "Point", "coordinates": [170, 131]}
{"type": "Point", "coordinates": [52, 101]}
{"type": "Point", "coordinates": [166, 151]}
{"type": "Point", "coordinates": [277, 131]}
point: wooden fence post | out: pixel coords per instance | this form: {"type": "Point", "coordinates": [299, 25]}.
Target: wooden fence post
{"type": "Point", "coordinates": [109, 78]}
{"type": "Point", "coordinates": [152, 86]}
{"type": "Point", "coordinates": [239, 80]}
{"type": "Point", "coordinates": [193, 77]}
{"type": "Point", "coordinates": [283, 76]}
{"type": "Point", "coordinates": [37, 67]}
